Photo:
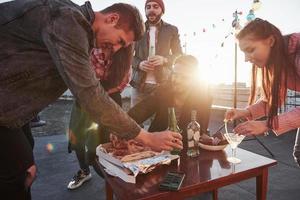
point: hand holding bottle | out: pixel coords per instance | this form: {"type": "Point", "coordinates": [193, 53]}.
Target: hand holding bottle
{"type": "Point", "coordinates": [146, 66]}
{"type": "Point", "coordinates": [158, 141]}
{"type": "Point", "coordinates": [157, 60]}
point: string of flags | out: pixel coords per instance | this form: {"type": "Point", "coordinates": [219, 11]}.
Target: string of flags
{"type": "Point", "coordinates": [236, 20]}
{"type": "Point", "coordinates": [235, 25]}
{"type": "Point", "coordinates": [250, 16]}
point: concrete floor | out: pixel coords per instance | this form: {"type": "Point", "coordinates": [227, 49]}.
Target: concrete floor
{"type": "Point", "coordinates": [57, 167]}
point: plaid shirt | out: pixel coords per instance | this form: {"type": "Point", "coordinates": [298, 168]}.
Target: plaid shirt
{"type": "Point", "coordinates": [101, 61]}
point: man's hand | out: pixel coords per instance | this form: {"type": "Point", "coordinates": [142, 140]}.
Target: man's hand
{"type": "Point", "coordinates": [31, 175]}
{"type": "Point", "coordinates": [251, 128]}
{"type": "Point", "coordinates": [146, 66]}
{"type": "Point", "coordinates": [157, 60]}
{"type": "Point", "coordinates": [158, 141]}
{"type": "Point", "coordinates": [233, 114]}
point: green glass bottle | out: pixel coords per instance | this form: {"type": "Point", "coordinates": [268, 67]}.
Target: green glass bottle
{"type": "Point", "coordinates": [172, 126]}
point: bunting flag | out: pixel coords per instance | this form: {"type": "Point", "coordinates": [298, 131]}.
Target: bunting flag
{"type": "Point", "coordinates": [256, 4]}
{"type": "Point", "coordinates": [236, 21]}
{"type": "Point", "coordinates": [250, 16]}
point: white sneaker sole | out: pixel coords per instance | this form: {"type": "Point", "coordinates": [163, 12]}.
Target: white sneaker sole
{"type": "Point", "coordinates": [72, 187]}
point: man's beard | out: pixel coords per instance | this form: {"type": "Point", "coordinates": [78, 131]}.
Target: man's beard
{"type": "Point", "coordinates": [156, 20]}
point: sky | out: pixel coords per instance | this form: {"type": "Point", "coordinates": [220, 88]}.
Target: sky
{"type": "Point", "coordinates": [203, 25]}
{"type": "Point", "coordinates": [192, 16]}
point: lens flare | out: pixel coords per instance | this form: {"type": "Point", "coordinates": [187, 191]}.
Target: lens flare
{"type": "Point", "coordinates": [49, 147]}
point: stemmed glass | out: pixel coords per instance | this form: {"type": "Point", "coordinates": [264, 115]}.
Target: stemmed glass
{"type": "Point", "coordinates": [234, 140]}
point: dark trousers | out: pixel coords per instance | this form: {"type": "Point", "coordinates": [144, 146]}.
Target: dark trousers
{"type": "Point", "coordinates": [16, 157]}
{"type": "Point", "coordinates": [85, 158]}
{"type": "Point", "coordinates": [27, 131]}
{"type": "Point", "coordinates": [82, 159]}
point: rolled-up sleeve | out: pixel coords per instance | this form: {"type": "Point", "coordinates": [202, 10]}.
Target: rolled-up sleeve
{"type": "Point", "coordinates": [288, 121]}
{"type": "Point", "coordinates": [68, 38]}
{"type": "Point", "coordinates": [257, 110]}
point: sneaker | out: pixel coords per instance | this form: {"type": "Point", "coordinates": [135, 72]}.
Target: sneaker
{"type": "Point", "coordinates": [79, 179]}
{"type": "Point", "coordinates": [37, 123]}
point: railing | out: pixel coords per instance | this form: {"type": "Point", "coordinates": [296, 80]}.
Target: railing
{"type": "Point", "coordinates": [223, 97]}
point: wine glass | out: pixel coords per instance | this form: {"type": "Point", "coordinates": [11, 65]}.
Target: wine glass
{"type": "Point", "coordinates": [234, 140]}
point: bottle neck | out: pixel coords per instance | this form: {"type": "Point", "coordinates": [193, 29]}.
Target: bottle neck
{"type": "Point", "coordinates": [194, 115]}
{"type": "Point", "coordinates": [151, 51]}
{"type": "Point", "coordinates": [172, 122]}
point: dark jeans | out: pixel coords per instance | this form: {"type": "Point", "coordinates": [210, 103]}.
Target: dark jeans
{"type": "Point", "coordinates": [14, 189]}
{"type": "Point", "coordinates": [82, 159]}
{"type": "Point", "coordinates": [85, 158]}
{"type": "Point", "coordinates": [16, 157]}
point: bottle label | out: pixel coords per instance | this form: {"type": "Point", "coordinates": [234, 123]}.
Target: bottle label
{"type": "Point", "coordinates": [191, 143]}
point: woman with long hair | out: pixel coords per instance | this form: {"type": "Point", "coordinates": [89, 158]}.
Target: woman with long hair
{"type": "Point", "coordinates": [277, 59]}
{"type": "Point", "coordinates": [113, 72]}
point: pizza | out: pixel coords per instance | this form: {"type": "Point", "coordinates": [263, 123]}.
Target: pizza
{"type": "Point", "coordinates": [128, 150]}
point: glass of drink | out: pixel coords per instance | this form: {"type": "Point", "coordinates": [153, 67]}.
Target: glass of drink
{"type": "Point", "coordinates": [234, 140]}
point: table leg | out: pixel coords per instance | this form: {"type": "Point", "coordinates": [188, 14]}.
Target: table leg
{"type": "Point", "coordinates": [262, 185]}
{"type": "Point", "coordinates": [215, 194]}
{"type": "Point", "coordinates": [109, 191]}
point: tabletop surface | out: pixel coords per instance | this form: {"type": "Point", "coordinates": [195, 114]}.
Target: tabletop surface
{"type": "Point", "coordinates": [208, 167]}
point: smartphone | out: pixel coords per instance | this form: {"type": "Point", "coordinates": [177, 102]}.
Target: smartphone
{"type": "Point", "coordinates": [172, 181]}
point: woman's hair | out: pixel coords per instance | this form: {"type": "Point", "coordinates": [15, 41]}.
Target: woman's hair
{"type": "Point", "coordinates": [120, 66]}
{"type": "Point", "coordinates": [276, 71]}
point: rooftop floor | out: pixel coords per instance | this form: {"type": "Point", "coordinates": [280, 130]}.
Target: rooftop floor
{"type": "Point", "coordinates": [57, 167]}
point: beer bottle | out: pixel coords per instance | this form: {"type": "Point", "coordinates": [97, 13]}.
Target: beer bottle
{"type": "Point", "coordinates": [172, 126]}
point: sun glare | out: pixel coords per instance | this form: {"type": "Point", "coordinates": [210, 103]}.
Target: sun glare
{"type": "Point", "coordinates": [221, 70]}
